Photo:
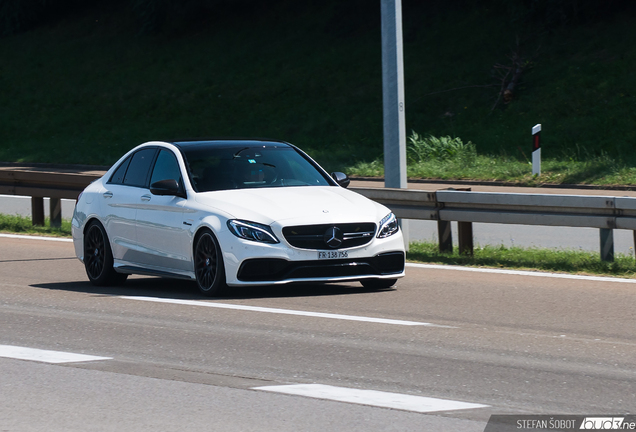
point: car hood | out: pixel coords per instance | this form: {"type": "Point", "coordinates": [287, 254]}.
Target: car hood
{"type": "Point", "coordinates": [294, 205]}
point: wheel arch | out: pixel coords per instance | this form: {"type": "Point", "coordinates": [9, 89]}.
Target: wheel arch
{"type": "Point", "coordinates": [221, 282]}
{"type": "Point", "coordinates": [210, 223]}
{"type": "Point", "coordinates": [81, 230]}
{"type": "Point", "coordinates": [90, 220]}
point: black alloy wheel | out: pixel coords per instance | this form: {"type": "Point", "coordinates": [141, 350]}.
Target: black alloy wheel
{"type": "Point", "coordinates": [208, 265]}
{"type": "Point", "coordinates": [98, 257]}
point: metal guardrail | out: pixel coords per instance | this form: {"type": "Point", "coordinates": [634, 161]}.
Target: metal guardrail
{"type": "Point", "coordinates": [39, 181]}
{"type": "Point", "coordinates": [462, 206]}
{"type": "Point", "coordinates": [604, 212]}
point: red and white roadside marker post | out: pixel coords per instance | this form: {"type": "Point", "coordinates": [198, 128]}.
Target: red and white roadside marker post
{"type": "Point", "coordinates": [536, 150]}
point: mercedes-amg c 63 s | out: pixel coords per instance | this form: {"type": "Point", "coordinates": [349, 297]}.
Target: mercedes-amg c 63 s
{"type": "Point", "coordinates": [232, 212]}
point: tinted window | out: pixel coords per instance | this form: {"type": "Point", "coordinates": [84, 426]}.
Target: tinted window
{"type": "Point", "coordinates": [118, 175]}
{"type": "Point", "coordinates": [239, 167]}
{"type": "Point", "coordinates": [166, 168]}
{"type": "Point", "coordinates": [137, 172]}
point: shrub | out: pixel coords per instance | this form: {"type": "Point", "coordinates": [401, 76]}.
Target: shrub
{"type": "Point", "coordinates": [420, 149]}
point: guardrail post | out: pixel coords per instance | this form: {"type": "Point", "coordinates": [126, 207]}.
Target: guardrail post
{"type": "Point", "coordinates": [404, 226]}
{"type": "Point", "coordinates": [55, 206]}
{"type": "Point", "coordinates": [37, 211]}
{"type": "Point", "coordinates": [445, 235]}
{"type": "Point", "coordinates": [465, 234]}
{"type": "Point", "coordinates": [607, 244]}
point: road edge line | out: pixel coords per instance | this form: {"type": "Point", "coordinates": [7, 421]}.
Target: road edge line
{"type": "Point", "coordinates": [520, 272]}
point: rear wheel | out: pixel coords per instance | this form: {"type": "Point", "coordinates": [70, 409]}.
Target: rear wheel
{"type": "Point", "coordinates": [378, 283]}
{"type": "Point", "coordinates": [98, 257]}
{"type": "Point", "coordinates": [208, 265]}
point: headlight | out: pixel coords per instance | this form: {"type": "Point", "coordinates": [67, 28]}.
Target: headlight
{"type": "Point", "coordinates": [252, 231]}
{"type": "Point", "coordinates": [388, 226]}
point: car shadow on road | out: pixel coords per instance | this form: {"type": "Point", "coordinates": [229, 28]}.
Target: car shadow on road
{"type": "Point", "coordinates": [186, 290]}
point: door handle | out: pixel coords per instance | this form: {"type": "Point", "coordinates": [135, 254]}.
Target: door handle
{"type": "Point", "coordinates": [145, 197]}
{"type": "Point", "coordinates": [108, 194]}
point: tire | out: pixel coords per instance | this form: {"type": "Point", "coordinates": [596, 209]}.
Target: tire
{"type": "Point", "coordinates": [378, 283]}
{"type": "Point", "coordinates": [98, 257]}
{"type": "Point", "coordinates": [208, 265]}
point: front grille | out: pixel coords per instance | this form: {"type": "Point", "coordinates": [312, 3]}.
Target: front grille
{"type": "Point", "coordinates": [275, 269]}
{"type": "Point", "coordinates": [313, 236]}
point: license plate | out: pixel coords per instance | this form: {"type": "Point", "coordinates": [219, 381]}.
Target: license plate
{"type": "Point", "coordinates": [333, 255]}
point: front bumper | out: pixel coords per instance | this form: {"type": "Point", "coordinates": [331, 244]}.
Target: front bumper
{"type": "Point", "coordinates": [276, 269]}
{"type": "Point", "coordinates": [250, 263]}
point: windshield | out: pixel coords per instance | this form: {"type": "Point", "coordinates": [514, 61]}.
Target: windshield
{"type": "Point", "coordinates": [216, 168]}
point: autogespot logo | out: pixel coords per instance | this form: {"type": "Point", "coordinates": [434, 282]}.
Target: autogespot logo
{"type": "Point", "coordinates": [333, 237]}
{"type": "Point", "coordinates": [603, 423]}
{"type": "Point", "coordinates": [510, 423]}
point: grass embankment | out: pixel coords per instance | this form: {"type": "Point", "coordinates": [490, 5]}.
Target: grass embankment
{"type": "Point", "coordinates": [566, 261]}
{"type": "Point", "coordinates": [87, 87]}
{"type": "Point", "coordinates": [16, 224]}
{"type": "Point", "coordinates": [551, 260]}
{"type": "Point", "coordinates": [452, 159]}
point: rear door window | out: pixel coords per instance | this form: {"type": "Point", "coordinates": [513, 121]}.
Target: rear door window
{"type": "Point", "coordinates": [118, 175]}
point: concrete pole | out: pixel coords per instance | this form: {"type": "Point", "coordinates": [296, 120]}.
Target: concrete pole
{"type": "Point", "coordinates": [393, 100]}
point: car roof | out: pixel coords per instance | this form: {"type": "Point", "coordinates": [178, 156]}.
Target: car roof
{"type": "Point", "coordinates": [228, 142]}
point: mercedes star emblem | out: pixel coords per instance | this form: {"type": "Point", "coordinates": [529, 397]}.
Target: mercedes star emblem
{"type": "Point", "coordinates": [333, 237]}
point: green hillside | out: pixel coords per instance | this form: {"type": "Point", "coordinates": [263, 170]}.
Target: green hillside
{"type": "Point", "coordinates": [88, 85]}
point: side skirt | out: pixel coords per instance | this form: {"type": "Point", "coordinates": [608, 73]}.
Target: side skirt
{"type": "Point", "coordinates": [151, 272]}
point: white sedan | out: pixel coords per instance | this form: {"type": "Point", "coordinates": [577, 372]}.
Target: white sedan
{"type": "Point", "coordinates": [230, 213]}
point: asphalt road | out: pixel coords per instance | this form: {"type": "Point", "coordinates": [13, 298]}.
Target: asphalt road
{"type": "Point", "coordinates": [170, 360]}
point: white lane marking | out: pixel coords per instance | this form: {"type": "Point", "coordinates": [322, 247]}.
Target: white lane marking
{"type": "Point", "coordinates": [283, 311]}
{"type": "Point", "coordinates": [46, 356]}
{"type": "Point", "coordinates": [399, 401]}
{"type": "Point", "coordinates": [28, 237]}
{"type": "Point", "coordinates": [521, 273]}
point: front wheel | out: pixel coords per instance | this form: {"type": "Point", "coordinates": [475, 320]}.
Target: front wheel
{"type": "Point", "coordinates": [98, 257]}
{"type": "Point", "coordinates": [208, 265]}
{"type": "Point", "coordinates": [378, 283]}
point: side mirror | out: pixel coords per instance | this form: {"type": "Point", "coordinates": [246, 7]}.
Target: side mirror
{"type": "Point", "coordinates": [341, 179]}
{"type": "Point", "coordinates": [168, 187]}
